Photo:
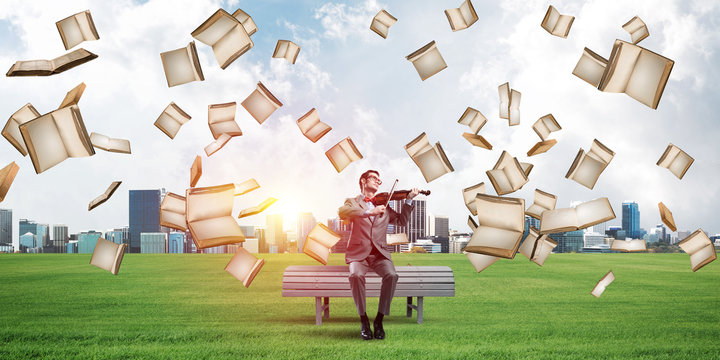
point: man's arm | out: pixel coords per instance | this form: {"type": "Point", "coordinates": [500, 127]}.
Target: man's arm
{"type": "Point", "coordinates": [352, 210]}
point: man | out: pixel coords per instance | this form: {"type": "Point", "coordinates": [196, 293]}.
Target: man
{"type": "Point", "coordinates": [366, 248]}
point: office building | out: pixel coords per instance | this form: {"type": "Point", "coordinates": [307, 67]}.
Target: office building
{"type": "Point", "coordinates": [153, 242]}
{"type": "Point", "coordinates": [593, 239]}
{"type": "Point", "coordinates": [144, 215]}
{"type": "Point", "coordinates": [415, 228]}
{"type": "Point", "coordinates": [6, 226]}
{"type": "Point", "coordinates": [115, 236]}
{"type": "Point", "coordinates": [305, 222]}
{"type": "Point", "coordinates": [274, 233]}
{"type": "Point", "coordinates": [571, 241]}
{"type": "Point", "coordinates": [631, 219]}
{"type": "Point", "coordinates": [458, 242]}
{"type": "Point", "coordinates": [176, 242]}
{"type": "Point", "coordinates": [262, 242]}
{"type": "Point", "coordinates": [59, 238]}
{"type": "Point", "coordinates": [27, 226]}
{"type": "Point", "coordinates": [28, 242]}
{"type": "Point", "coordinates": [87, 241]}
{"type": "Point", "coordinates": [71, 247]}
{"type": "Point", "coordinates": [529, 222]}
{"type": "Point", "coordinates": [442, 226]}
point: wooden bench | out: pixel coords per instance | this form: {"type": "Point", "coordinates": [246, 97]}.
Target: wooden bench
{"type": "Point", "coordinates": [324, 282]}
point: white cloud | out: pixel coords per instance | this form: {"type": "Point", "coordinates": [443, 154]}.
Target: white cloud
{"type": "Point", "coordinates": [341, 20]}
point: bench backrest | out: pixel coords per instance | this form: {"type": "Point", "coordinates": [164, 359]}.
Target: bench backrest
{"type": "Point", "coordinates": [332, 281]}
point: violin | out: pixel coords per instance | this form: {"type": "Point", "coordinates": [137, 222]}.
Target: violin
{"type": "Point", "coordinates": [384, 198]}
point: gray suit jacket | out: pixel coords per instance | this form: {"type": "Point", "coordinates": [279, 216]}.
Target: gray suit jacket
{"type": "Point", "coordinates": [366, 232]}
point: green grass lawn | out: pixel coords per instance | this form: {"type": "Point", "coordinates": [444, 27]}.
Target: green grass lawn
{"type": "Point", "coordinates": [187, 306]}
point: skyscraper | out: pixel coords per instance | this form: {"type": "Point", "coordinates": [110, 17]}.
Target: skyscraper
{"type": "Point", "coordinates": [415, 228]}
{"type": "Point", "coordinates": [6, 226]}
{"type": "Point", "coordinates": [153, 242]}
{"type": "Point", "coordinates": [631, 219]}
{"type": "Point", "coordinates": [305, 222]}
{"type": "Point", "coordinates": [59, 238]}
{"type": "Point", "coordinates": [144, 214]}
{"type": "Point", "coordinates": [274, 234]}
{"type": "Point", "coordinates": [87, 241]}
{"type": "Point", "coordinates": [442, 226]}
{"type": "Point", "coordinates": [176, 242]}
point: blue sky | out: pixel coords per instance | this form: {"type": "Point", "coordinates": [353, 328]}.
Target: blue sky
{"type": "Point", "coordinates": [363, 86]}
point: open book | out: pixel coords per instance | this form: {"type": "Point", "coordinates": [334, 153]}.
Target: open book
{"type": "Point", "coordinates": [462, 17]}
{"type": "Point", "coordinates": [700, 249]}
{"type": "Point", "coordinates": [480, 261]}
{"type": "Point", "coordinates": [343, 153]}
{"type": "Point", "coordinates": [427, 60]}
{"type": "Point", "coordinates": [637, 29]}
{"type": "Point", "coordinates": [587, 167]}
{"type": "Point", "coordinates": [541, 147]}
{"type": "Point", "coordinates": [257, 209]}
{"type": "Point", "coordinates": [106, 143]}
{"type": "Point", "coordinates": [182, 65]}
{"type": "Point", "coordinates": [73, 96]}
{"type": "Point", "coordinates": [77, 28]}
{"type": "Point", "coordinates": [396, 239]}
{"type": "Point", "coordinates": [501, 222]}
{"type": "Point", "coordinates": [195, 171]}
{"type": "Point", "coordinates": [537, 247]}
{"type": "Point", "coordinates": [477, 140]}
{"type": "Point", "coordinates": [217, 144]}
{"type": "Point", "coordinates": [590, 67]}
{"type": "Point", "coordinates": [104, 196]}
{"type": "Point", "coordinates": [108, 255]}
{"type": "Point", "coordinates": [208, 211]}
{"type": "Point", "coordinates": [171, 119]}
{"type": "Point", "coordinates": [543, 201]}
{"type": "Point", "coordinates": [509, 104]}
{"type": "Point", "coordinates": [319, 241]}
{"type": "Point", "coordinates": [667, 216]}
{"type": "Point", "coordinates": [227, 36]}
{"type": "Point", "coordinates": [7, 175]}
{"type": "Point", "coordinates": [382, 22]}
{"type": "Point", "coordinates": [246, 187]}
{"type": "Point", "coordinates": [51, 67]}
{"type": "Point", "coordinates": [11, 131]}
{"type": "Point", "coordinates": [244, 266]}
{"type": "Point", "coordinates": [634, 245]}
{"type": "Point", "coordinates": [431, 160]}
{"type": "Point", "coordinates": [508, 175]}
{"type": "Point", "coordinates": [469, 194]}
{"type": "Point", "coordinates": [546, 125]}
{"type": "Point", "coordinates": [311, 126]}
{"type": "Point", "coordinates": [56, 136]}
{"type": "Point", "coordinates": [172, 212]}
{"type": "Point", "coordinates": [582, 216]}
{"type": "Point", "coordinates": [286, 49]}
{"type": "Point", "coordinates": [602, 284]}
{"type": "Point", "coordinates": [557, 24]}
{"type": "Point", "coordinates": [221, 120]}
{"type": "Point", "coordinates": [475, 120]}
{"type": "Point", "coordinates": [261, 103]}
{"type": "Point", "coordinates": [246, 21]}
{"type": "Point", "coordinates": [675, 160]}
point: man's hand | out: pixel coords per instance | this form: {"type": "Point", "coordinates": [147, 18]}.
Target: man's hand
{"type": "Point", "coordinates": [413, 193]}
{"type": "Point", "coordinates": [378, 210]}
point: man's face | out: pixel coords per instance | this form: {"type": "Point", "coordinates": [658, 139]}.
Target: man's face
{"type": "Point", "coordinates": [372, 182]}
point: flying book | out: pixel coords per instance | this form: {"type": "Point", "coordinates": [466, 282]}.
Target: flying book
{"type": "Point", "coordinates": [590, 67]}
{"type": "Point", "coordinates": [217, 144]}
{"type": "Point", "coordinates": [108, 255]}
{"type": "Point", "coordinates": [343, 153]}
{"type": "Point", "coordinates": [246, 21]}
{"type": "Point", "coordinates": [700, 249]}
{"type": "Point", "coordinates": [257, 209]}
{"type": "Point", "coordinates": [227, 36]}
{"type": "Point", "coordinates": [77, 28]}
{"type": "Point", "coordinates": [11, 131]}
{"type": "Point", "coordinates": [106, 143]}
{"type": "Point", "coordinates": [182, 65]}
{"type": "Point", "coordinates": [104, 196]}
{"type": "Point", "coordinates": [537, 247]}
{"type": "Point", "coordinates": [311, 126]}
{"type": "Point", "coordinates": [541, 147]}
{"type": "Point", "coordinates": [427, 60]}
{"type": "Point", "coordinates": [462, 17]}
{"type": "Point", "coordinates": [602, 284]}
{"type": "Point", "coordinates": [195, 171]}
{"type": "Point", "coordinates": [556, 23]}
{"type": "Point", "coordinates": [501, 222]}
{"type": "Point", "coordinates": [507, 176]}
{"type": "Point", "coordinates": [208, 211]}
{"type": "Point", "coordinates": [172, 212]}
{"type": "Point", "coordinates": [51, 67]}
{"type": "Point", "coordinates": [7, 175]}
{"type": "Point", "coordinates": [286, 49]}
{"type": "Point", "coordinates": [382, 22]}
{"type": "Point", "coordinates": [543, 201]}
{"type": "Point", "coordinates": [637, 29]}
{"type": "Point", "coordinates": [475, 120]}
{"type": "Point", "coordinates": [546, 125]}
{"type": "Point", "coordinates": [469, 194]}
{"type": "Point", "coordinates": [73, 96]}
{"type": "Point", "coordinates": [56, 136]}
{"type": "Point", "coordinates": [221, 120]}
{"type": "Point", "coordinates": [244, 266]}
{"type": "Point", "coordinates": [396, 239]}
{"type": "Point", "coordinates": [667, 216]}
{"type": "Point", "coordinates": [171, 119]}
{"type": "Point", "coordinates": [246, 187]}
{"type": "Point", "coordinates": [634, 245]}
{"type": "Point", "coordinates": [509, 104]}
{"type": "Point", "coordinates": [587, 167]}
{"type": "Point", "coordinates": [480, 261]}
{"type": "Point", "coordinates": [319, 241]}
{"type": "Point", "coordinates": [261, 103]}
{"type": "Point", "coordinates": [580, 217]}
{"type": "Point", "coordinates": [431, 160]}
{"type": "Point", "coordinates": [477, 140]}
{"type": "Point", "coordinates": [675, 160]}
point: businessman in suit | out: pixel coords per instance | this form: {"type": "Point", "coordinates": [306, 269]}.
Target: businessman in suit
{"type": "Point", "coordinates": [366, 248]}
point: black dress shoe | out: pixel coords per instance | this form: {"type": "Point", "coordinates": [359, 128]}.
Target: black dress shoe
{"type": "Point", "coordinates": [365, 331]}
{"type": "Point", "coordinates": [379, 331]}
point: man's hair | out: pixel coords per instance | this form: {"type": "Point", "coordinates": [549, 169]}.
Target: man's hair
{"type": "Point", "coordinates": [365, 175]}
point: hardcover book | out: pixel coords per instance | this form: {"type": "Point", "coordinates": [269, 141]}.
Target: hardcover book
{"type": "Point", "coordinates": [51, 67]}
{"type": "Point", "coordinates": [382, 22]}
{"type": "Point", "coordinates": [77, 28]}
{"type": "Point", "coordinates": [172, 212]}
{"type": "Point", "coordinates": [286, 49]}
{"type": "Point", "coordinates": [7, 175]}
{"type": "Point", "coordinates": [11, 131]}
{"type": "Point", "coordinates": [261, 103]}
{"type": "Point", "coordinates": [319, 241]}
{"type": "Point", "coordinates": [427, 60]}
{"type": "Point", "coordinates": [469, 194]}
{"type": "Point", "coordinates": [244, 266]}
{"type": "Point", "coordinates": [501, 222]}
{"type": "Point", "coordinates": [462, 17]}
{"type": "Point", "coordinates": [602, 284]}
{"type": "Point", "coordinates": [637, 29]}
{"type": "Point", "coordinates": [104, 196]}
{"type": "Point", "coordinates": [226, 35]}
{"type": "Point", "coordinates": [257, 209]}
{"type": "Point", "coordinates": [311, 126]}
{"type": "Point", "coordinates": [543, 201]}
{"type": "Point", "coordinates": [587, 167]}
{"type": "Point", "coordinates": [343, 153]}
{"type": "Point", "coordinates": [221, 120]}
{"type": "Point", "coordinates": [107, 143]}
{"type": "Point", "coordinates": [208, 211]}
{"type": "Point", "coordinates": [195, 171]}
{"type": "Point", "coordinates": [700, 248]}
{"type": "Point", "coordinates": [171, 119]}
{"type": "Point", "coordinates": [182, 65]}
{"type": "Point", "coordinates": [556, 23]}
{"type": "Point", "coordinates": [675, 160]}
{"type": "Point", "coordinates": [108, 255]}
{"type": "Point", "coordinates": [431, 160]}
{"type": "Point", "coordinates": [582, 216]}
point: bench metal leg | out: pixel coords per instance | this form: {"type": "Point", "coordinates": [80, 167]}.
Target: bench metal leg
{"type": "Point", "coordinates": [409, 306]}
{"type": "Point", "coordinates": [326, 306]}
{"type": "Point", "coordinates": [420, 310]}
{"type": "Point", "coordinates": [318, 311]}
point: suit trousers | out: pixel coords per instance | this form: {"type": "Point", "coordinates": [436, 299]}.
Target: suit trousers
{"type": "Point", "coordinates": [385, 269]}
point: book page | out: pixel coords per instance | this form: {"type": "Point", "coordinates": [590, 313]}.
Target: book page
{"type": "Point", "coordinates": [680, 164]}
{"type": "Point", "coordinates": [104, 254]}
{"type": "Point", "coordinates": [703, 256]}
{"type": "Point", "coordinates": [311, 126]}
{"type": "Point", "coordinates": [246, 187]}
{"type": "Point", "coordinates": [550, 20]}
{"type": "Point", "coordinates": [590, 67]}
{"type": "Point", "coordinates": [558, 220]}
{"type": "Point", "coordinates": [528, 245]}
{"type": "Point", "coordinates": [620, 67]}
{"type": "Point", "coordinates": [500, 181]}
{"type": "Point", "coordinates": [468, 13]}
{"type": "Point", "coordinates": [474, 119]}
{"type": "Point", "coordinates": [323, 235]}
{"type": "Point", "coordinates": [514, 111]}
{"type": "Point", "coordinates": [504, 92]}
{"type": "Point", "coordinates": [418, 145]}
{"type": "Point", "coordinates": [499, 212]}
{"type": "Point", "coordinates": [247, 22]}
{"type": "Point", "coordinates": [480, 261]}
{"type": "Point", "coordinates": [494, 241]}
{"type": "Point", "coordinates": [469, 195]}
{"type": "Point", "coordinates": [379, 28]}
{"type": "Point", "coordinates": [648, 78]}
{"type": "Point", "coordinates": [178, 67]}
{"type": "Point", "coordinates": [543, 247]}
{"type": "Point", "coordinates": [316, 250]}
{"type": "Point", "coordinates": [11, 131]}
{"type": "Point", "coordinates": [218, 144]}
{"type": "Point", "coordinates": [562, 27]}
{"type": "Point", "coordinates": [588, 171]}
{"type": "Point", "coordinates": [695, 242]}
{"type": "Point", "coordinates": [600, 152]}
{"type": "Point", "coordinates": [215, 231]}
{"type": "Point", "coordinates": [221, 120]}
{"type": "Point", "coordinates": [72, 132]}
{"type": "Point", "coordinates": [396, 239]}
{"type": "Point", "coordinates": [86, 25]}
{"type": "Point", "coordinates": [71, 59]}
{"type": "Point", "coordinates": [594, 212]}
{"type": "Point", "coordinates": [515, 175]}
{"type": "Point", "coordinates": [427, 61]}
{"type": "Point", "coordinates": [546, 200]}
{"type": "Point", "coordinates": [209, 202]}
{"type": "Point", "coordinates": [172, 212]}
{"type": "Point", "coordinates": [231, 46]}
{"type": "Point", "coordinates": [637, 29]}
{"type": "Point", "coordinates": [259, 106]}
{"type": "Point", "coordinates": [455, 17]}
{"type": "Point", "coordinates": [33, 65]}
{"type": "Point", "coordinates": [602, 284]}
{"type": "Point", "coordinates": [44, 142]}
{"type": "Point", "coordinates": [70, 31]}
{"type": "Point", "coordinates": [535, 211]}
{"type": "Point", "coordinates": [431, 164]}
{"type": "Point", "coordinates": [342, 154]}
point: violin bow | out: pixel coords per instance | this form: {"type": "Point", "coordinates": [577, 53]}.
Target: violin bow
{"type": "Point", "coordinates": [390, 194]}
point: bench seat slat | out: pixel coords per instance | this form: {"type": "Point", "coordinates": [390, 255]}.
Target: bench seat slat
{"type": "Point", "coordinates": [368, 275]}
{"type": "Point", "coordinates": [370, 286]}
{"type": "Point", "coordinates": [344, 268]}
{"type": "Point", "coordinates": [370, 293]}
{"type": "Point", "coordinates": [342, 279]}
